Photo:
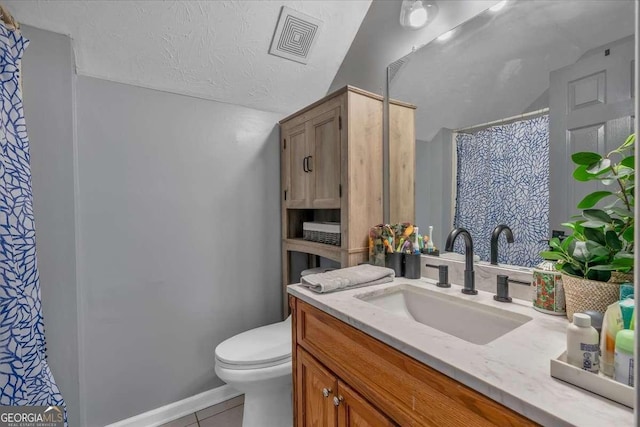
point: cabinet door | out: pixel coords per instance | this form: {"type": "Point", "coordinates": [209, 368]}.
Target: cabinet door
{"type": "Point", "coordinates": [324, 141]}
{"type": "Point", "coordinates": [315, 388]}
{"type": "Point", "coordinates": [295, 152]}
{"type": "Point", "coordinates": [355, 411]}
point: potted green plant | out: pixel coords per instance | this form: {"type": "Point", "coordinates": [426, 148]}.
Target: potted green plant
{"type": "Point", "coordinates": [598, 255]}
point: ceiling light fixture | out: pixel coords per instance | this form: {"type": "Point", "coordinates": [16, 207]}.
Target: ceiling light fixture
{"type": "Point", "coordinates": [416, 14]}
{"type": "Point", "coordinates": [446, 36]}
{"type": "Point", "coordinates": [496, 7]}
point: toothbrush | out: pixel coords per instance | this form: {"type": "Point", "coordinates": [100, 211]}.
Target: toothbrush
{"type": "Point", "coordinates": [407, 233]}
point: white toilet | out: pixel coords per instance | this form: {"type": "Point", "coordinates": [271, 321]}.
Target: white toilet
{"type": "Point", "coordinates": [258, 363]}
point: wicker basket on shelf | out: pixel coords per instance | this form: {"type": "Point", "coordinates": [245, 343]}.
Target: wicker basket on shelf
{"type": "Point", "coordinates": [583, 294]}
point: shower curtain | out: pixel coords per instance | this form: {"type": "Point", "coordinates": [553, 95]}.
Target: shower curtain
{"type": "Point", "coordinates": [25, 377]}
{"type": "Point", "coordinates": [503, 178]}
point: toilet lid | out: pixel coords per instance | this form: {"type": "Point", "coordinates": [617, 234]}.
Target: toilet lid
{"type": "Point", "coordinates": [257, 348]}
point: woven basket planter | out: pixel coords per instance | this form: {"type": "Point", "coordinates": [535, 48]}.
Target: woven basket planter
{"type": "Point", "coordinates": [617, 277]}
{"type": "Point", "coordinates": [583, 294]}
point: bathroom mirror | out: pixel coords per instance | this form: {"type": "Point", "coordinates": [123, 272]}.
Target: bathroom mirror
{"type": "Point", "coordinates": [501, 103]}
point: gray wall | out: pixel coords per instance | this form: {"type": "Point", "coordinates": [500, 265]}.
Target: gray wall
{"type": "Point", "coordinates": [176, 229]}
{"type": "Point", "coordinates": [47, 80]}
{"type": "Point", "coordinates": [434, 201]}
{"type": "Point", "coordinates": [179, 223]}
{"type": "Point", "coordinates": [541, 102]}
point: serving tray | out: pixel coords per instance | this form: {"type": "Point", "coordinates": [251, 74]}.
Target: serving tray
{"type": "Point", "coordinates": [595, 383]}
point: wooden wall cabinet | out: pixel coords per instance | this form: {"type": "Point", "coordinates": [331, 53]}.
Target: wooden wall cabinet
{"type": "Point", "coordinates": [344, 377]}
{"type": "Point", "coordinates": [402, 162]}
{"type": "Point", "coordinates": [331, 170]}
{"type": "Point", "coordinates": [311, 161]}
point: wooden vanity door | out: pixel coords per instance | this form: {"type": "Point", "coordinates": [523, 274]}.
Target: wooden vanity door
{"type": "Point", "coordinates": [316, 388]}
{"type": "Point", "coordinates": [355, 411]}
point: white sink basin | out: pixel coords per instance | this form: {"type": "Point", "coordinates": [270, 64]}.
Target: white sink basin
{"type": "Point", "coordinates": [471, 321]}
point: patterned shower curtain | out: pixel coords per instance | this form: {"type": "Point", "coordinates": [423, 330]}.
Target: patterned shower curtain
{"type": "Point", "coordinates": [503, 178]}
{"type": "Point", "coordinates": [25, 377]}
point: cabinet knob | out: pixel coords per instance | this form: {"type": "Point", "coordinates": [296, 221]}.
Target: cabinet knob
{"type": "Point", "coordinates": [326, 392]}
{"type": "Point", "coordinates": [337, 400]}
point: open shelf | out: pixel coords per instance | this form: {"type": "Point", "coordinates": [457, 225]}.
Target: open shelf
{"type": "Point", "coordinates": [321, 249]}
{"type": "Point", "coordinates": [295, 218]}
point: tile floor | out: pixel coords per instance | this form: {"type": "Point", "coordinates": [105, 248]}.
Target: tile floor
{"type": "Point", "coordinates": [225, 414]}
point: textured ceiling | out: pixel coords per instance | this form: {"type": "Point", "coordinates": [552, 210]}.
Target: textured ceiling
{"type": "Point", "coordinates": [210, 49]}
{"type": "Point", "coordinates": [497, 65]}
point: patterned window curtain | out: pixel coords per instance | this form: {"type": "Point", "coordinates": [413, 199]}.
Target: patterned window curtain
{"type": "Point", "coordinates": [25, 377]}
{"type": "Point", "coordinates": [503, 178]}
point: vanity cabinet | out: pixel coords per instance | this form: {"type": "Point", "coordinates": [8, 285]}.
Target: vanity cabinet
{"type": "Point", "coordinates": [355, 411]}
{"type": "Point", "coordinates": [317, 387]}
{"type": "Point", "coordinates": [331, 170]}
{"type": "Point", "coordinates": [374, 384]}
{"type": "Point", "coordinates": [326, 401]}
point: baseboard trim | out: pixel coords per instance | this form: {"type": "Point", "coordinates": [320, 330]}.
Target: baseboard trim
{"type": "Point", "coordinates": [173, 411]}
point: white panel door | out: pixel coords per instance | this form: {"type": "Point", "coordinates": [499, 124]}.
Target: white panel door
{"type": "Point", "coordinates": [591, 109]}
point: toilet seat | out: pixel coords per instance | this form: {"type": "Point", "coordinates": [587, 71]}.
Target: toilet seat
{"type": "Point", "coordinates": [257, 348]}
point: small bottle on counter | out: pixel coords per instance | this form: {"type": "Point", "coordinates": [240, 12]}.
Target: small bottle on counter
{"type": "Point", "coordinates": [596, 320]}
{"type": "Point", "coordinates": [623, 365]}
{"type": "Point", "coordinates": [582, 344]}
{"type": "Point", "coordinates": [430, 247]}
{"type": "Point", "coordinates": [611, 325]}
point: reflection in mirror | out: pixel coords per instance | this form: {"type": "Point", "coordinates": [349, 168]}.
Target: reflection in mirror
{"type": "Point", "coordinates": [502, 102]}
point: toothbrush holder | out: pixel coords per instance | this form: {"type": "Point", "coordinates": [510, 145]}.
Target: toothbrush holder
{"type": "Point", "coordinates": [412, 266]}
{"type": "Point", "coordinates": [395, 262]}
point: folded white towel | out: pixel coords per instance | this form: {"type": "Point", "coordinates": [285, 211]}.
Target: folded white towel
{"type": "Point", "coordinates": [351, 277]}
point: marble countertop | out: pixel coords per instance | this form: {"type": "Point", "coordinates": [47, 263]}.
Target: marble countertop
{"type": "Point", "coordinates": [513, 369]}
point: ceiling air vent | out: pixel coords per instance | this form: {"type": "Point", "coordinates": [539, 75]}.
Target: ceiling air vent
{"type": "Point", "coordinates": [295, 35]}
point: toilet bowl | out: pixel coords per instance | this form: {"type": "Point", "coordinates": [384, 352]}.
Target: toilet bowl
{"type": "Point", "coordinates": [258, 364]}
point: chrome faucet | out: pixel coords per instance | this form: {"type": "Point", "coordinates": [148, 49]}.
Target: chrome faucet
{"type": "Point", "coordinates": [494, 240]}
{"type": "Point", "coordinates": [469, 275]}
